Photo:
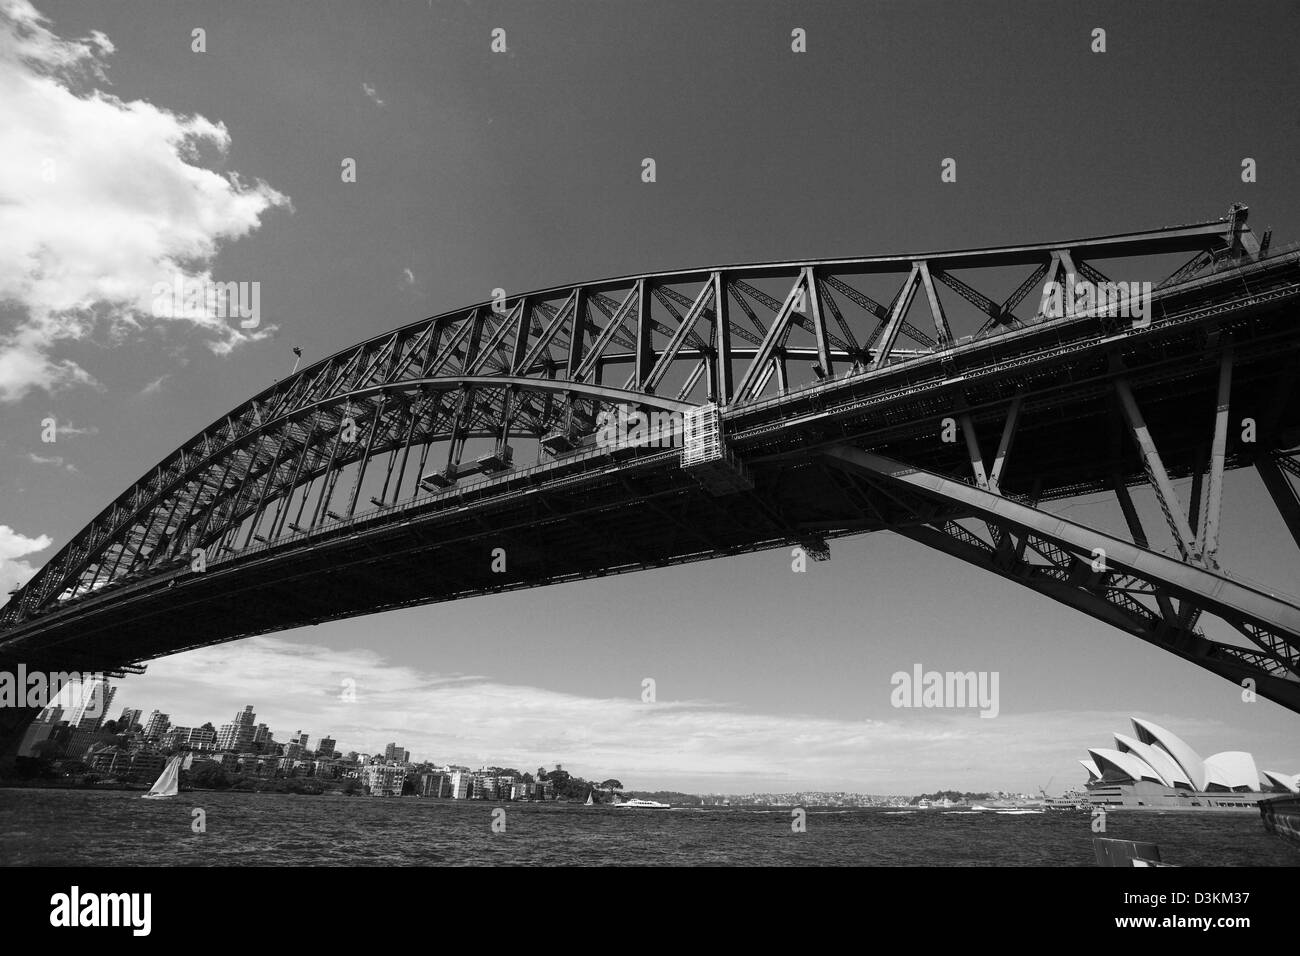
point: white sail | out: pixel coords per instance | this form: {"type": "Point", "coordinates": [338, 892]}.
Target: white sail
{"type": "Point", "coordinates": [589, 800]}
{"type": "Point", "coordinates": [168, 782]}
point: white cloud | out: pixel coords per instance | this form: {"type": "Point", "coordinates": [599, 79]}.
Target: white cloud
{"type": "Point", "coordinates": [13, 547]}
{"type": "Point", "coordinates": [57, 460]}
{"type": "Point", "coordinates": [370, 92]}
{"type": "Point", "coordinates": [69, 430]}
{"type": "Point", "coordinates": [100, 201]}
{"type": "Point", "coordinates": [154, 387]}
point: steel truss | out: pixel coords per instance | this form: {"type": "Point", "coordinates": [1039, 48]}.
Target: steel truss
{"type": "Point", "coordinates": [1125, 584]}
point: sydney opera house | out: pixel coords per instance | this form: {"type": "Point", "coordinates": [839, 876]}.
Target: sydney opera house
{"type": "Point", "coordinates": [1155, 768]}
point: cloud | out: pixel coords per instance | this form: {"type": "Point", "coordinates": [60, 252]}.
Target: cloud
{"type": "Point", "coordinates": [696, 745]}
{"type": "Point", "coordinates": [370, 92]}
{"type": "Point", "coordinates": [101, 200]}
{"type": "Point", "coordinates": [56, 460]}
{"type": "Point", "coordinates": [69, 430]}
{"type": "Point", "coordinates": [154, 387]}
{"type": "Point", "coordinates": [13, 547]}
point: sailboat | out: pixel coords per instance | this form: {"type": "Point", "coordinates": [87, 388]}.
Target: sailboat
{"type": "Point", "coordinates": [168, 782]}
{"type": "Point", "coordinates": [590, 802]}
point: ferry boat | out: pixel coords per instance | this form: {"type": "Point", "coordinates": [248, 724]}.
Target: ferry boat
{"type": "Point", "coordinates": [644, 805]}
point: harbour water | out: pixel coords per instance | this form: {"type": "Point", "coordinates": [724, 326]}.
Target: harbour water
{"type": "Point", "coordinates": [117, 828]}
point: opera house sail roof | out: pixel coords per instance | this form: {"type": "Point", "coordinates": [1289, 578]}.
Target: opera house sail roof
{"type": "Point", "coordinates": [1158, 757]}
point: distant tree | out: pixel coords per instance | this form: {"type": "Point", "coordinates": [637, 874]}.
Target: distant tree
{"type": "Point", "coordinates": [110, 727]}
{"type": "Point", "coordinates": [527, 777]}
{"type": "Point", "coordinates": [209, 776]}
{"type": "Point", "coordinates": [611, 785]}
{"type": "Point", "coordinates": [208, 726]}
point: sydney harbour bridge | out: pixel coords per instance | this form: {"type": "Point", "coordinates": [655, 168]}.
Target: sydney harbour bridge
{"type": "Point", "coordinates": [930, 395]}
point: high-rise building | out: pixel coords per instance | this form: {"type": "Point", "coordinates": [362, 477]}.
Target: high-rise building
{"type": "Point", "coordinates": [460, 785]}
{"type": "Point", "coordinates": [395, 754]}
{"type": "Point", "coordinates": [383, 780]}
{"type": "Point", "coordinates": [188, 738]}
{"type": "Point", "coordinates": [128, 719]}
{"type": "Point", "coordinates": [262, 740]}
{"type": "Point", "coordinates": [226, 737]}
{"type": "Point", "coordinates": [239, 734]}
{"type": "Point", "coordinates": [95, 699]}
{"type": "Point", "coordinates": [157, 723]}
{"type": "Point", "coordinates": [434, 784]}
{"type": "Point", "coordinates": [80, 741]}
{"type": "Point", "coordinates": [326, 747]}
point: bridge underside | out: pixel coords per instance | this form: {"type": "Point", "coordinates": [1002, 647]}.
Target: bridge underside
{"type": "Point", "coordinates": [959, 446]}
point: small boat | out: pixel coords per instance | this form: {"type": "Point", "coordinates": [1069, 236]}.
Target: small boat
{"type": "Point", "coordinates": [590, 802]}
{"type": "Point", "coordinates": [1018, 811]}
{"type": "Point", "coordinates": [168, 782]}
{"type": "Point", "coordinates": [644, 805]}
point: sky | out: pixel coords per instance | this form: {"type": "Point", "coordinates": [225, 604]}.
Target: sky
{"type": "Point", "coordinates": [127, 156]}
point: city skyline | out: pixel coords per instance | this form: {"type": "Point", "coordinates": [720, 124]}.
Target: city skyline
{"type": "Point", "coordinates": [996, 764]}
{"type": "Point", "coordinates": [160, 730]}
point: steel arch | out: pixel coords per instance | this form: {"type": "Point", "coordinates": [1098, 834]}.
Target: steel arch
{"type": "Point", "coordinates": [534, 368]}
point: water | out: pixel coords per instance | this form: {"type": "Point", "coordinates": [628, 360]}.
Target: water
{"type": "Point", "coordinates": [117, 828]}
